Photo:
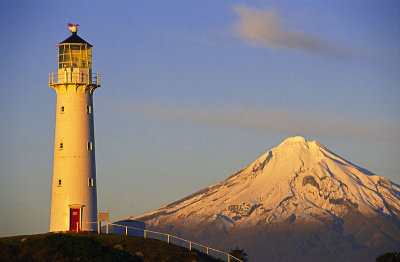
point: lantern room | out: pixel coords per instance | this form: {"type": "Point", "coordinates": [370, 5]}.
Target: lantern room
{"type": "Point", "coordinates": [74, 59]}
{"type": "Point", "coordinates": [74, 52]}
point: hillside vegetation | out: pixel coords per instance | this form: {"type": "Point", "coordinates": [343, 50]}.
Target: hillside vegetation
{"type": "Point", "coordinates": [94, 247]}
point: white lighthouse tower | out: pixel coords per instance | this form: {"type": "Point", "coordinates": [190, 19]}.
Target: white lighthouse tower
{"type": "Point", "coordinates": [74, 196]}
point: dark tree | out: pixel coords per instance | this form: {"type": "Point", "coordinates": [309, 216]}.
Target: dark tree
{"type": "Point", "coordinates": [239, 253]}
{"type": "Point", "coordinates": [389, 257]}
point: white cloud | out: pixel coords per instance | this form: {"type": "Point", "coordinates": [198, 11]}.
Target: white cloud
{"type": "Point", "coordinates": [266, 29]}
{"type": "Point", "coordinates": [275, 120]}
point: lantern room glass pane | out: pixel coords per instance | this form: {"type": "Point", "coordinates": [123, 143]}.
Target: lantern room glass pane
{"type": "Point", "coordinates": [74, 56]}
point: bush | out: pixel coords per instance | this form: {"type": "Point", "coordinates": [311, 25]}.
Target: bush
{"type": "Point", "coordinates": [239, 253]}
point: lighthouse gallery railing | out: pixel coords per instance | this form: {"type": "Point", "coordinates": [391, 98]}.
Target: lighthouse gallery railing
{"type": "Point", "coordinates": [75, 78]}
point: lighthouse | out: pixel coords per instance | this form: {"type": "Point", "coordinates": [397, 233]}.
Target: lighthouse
{"type": "Point", "coordinates": [74, 195]}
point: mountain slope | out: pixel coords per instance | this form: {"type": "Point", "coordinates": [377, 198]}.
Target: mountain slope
{"type": "Point", "coordinates": [298, 194]}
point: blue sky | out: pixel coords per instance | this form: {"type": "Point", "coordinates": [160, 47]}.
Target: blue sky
{"type": "Point", "coordinates": [193, 91]}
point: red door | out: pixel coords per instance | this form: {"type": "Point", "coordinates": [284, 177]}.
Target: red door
{"type": "Point", "coordinates": [74, 219]}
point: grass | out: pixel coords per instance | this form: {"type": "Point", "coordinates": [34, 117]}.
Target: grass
{"type": "Point", "coordinates": [94, 247]}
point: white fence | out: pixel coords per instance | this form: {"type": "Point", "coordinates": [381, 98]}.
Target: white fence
{"type": "Point", "coordinates": [173, 240]}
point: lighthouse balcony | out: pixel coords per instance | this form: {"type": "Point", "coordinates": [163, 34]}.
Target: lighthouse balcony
{"type": "Point", "coordinates": [78, 78]}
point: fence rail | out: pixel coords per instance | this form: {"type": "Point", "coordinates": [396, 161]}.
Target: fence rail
{"type": "Point", "coordinates": [75, 78]}
{"type": "Point", "coordinates": [170, 237]}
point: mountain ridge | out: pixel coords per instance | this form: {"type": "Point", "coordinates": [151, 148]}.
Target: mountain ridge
{"type": "Point", "coordinates": [296, 185]}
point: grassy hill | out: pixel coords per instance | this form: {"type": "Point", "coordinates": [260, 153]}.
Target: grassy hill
{"type": "Point", "coordinates": [94, 247]}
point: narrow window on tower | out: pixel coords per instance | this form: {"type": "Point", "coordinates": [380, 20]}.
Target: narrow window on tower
{"type": "Point", "coordinates": [61, 145]}
{"type": "Point", "coordinates": [89, 109]}
{"type": "Point", "coordinates": [61, 109]}
{"type": "Point", "coordinates": [91, 182]}
{"type": "Point", "coordinates": [90, 146]}
{"type": "Point", "coordinates": [59, 183]}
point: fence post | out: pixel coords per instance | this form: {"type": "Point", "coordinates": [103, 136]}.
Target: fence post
{"type": "Point", "coordinates": [168, 239]}
{"type": "Point", "coordinates": [107, 227]}
{"type": "Point", "coordinates": [126, 231]}
{"type": "Point", "coordinates": [98, 227]}
{"type": "Point", "coordinates": [207, 250]}
{"type": "Point", "coordinates": [190, 245]}
{"type": "Point", "coordinates": [77, 227]}
{"type": "Point", "coordinates": [229, 258]}
{"type": "Point", "coordinates": [144, 235]}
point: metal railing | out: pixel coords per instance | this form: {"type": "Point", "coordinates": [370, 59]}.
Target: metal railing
{"type": "Point", "coordinates": [74, 78]}
{"type": "Point", "coordinates": [169, 238]}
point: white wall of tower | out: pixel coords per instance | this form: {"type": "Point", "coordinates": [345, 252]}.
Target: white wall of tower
{"type": "Point", "coordinates": [74, 170]}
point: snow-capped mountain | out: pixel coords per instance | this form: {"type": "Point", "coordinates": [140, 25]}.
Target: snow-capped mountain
{"type": "Point", "coordinates": [298, 197]}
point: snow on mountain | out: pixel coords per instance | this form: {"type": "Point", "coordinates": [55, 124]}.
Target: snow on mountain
{"type": "Point", "coordinates": [298, 177]}
{"type": "Point", "coordinates": [298, 182]}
